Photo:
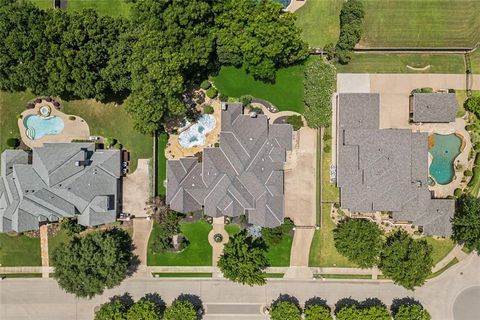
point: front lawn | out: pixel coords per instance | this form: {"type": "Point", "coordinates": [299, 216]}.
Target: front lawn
{"type": "Point", "coordinates": [103, 7]}
{"type": "Point", "coordinates": [111, 120]}
{"type": "Point", "coordinates": [197, 253]}
{"type": "Point", "coordinates": [279, 254]}
{"type": "Point", "coordinates": [59, 238]}
{"type": "Point", "coordinates": [286, 93]}
{"type": "Point", "coordinates": [329, 191]}
{"type": "Point", "coordinates": [397, 63]}
{"type": "Point", "coordinates": [162, 163]}
{"type": "Point", "coordinates": [441, 247]}
{"type": "Point", "coordinates": [322, 250]}
{"type": "Point", "coordinates": [19, 250]}
{"type": "Point", "coordinates": [232, 229]}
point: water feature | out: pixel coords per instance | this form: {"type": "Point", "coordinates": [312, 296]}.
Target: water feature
{"type": "Point", "coordinates": [39, 126]}
{"type": "Point", "coordinates": [196, 134]}
{"type": "Point", "coordinates": [444, 151]}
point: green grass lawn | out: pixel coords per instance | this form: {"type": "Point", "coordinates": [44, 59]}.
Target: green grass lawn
{"type": "Point", "coordinates": [18, 250]}
{"type": "Point", "coordinates": [111, 120]}
{"type": "Point", "coordinates": [343, 276]}
{"type": "Point", "coordinates": [475, 61]}
{"type": "Point", "coordinates": [421, 23]}
{"type": "Point", "coordinates": [197, 253]}
{"type": "Point", "coordinates": [11, 105]}
{"type": "Point", "coordinates": [397, 63]}
{"type": "Point", "coordinates": [181, 275]}
{"type": "Point", "coordinates": [319, 21]}
{"type": "Point", "coordinates": [232, 229]}
{"type": "Point", "coordinates": [322, 250]}
{"type": "Point", "coordinates": [279, 254]}
{"type": "Point", "coordinates": [286, 93]}
{"type": "Point", "coordinates": [441, 247]}
{"type": "Point", "coordinates": [104, 7]}
{"type": "Point", "coordinates": [329, 191]}
{"type": "Point", "coordinates": [57, 240]}
{"type": "Point", "coordinates": [162, 163]}
{"type": "Point", "coordinates": [442, 270]}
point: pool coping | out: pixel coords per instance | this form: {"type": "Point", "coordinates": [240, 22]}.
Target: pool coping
{"type": "Point", "coordinates": [76, 129]}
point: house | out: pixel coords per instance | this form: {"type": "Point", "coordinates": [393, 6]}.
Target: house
{"type": "Point", "coordinates": [59, 180]}
{"type": "Point", "coordinates": [385, 169]}
{"type": "Point", "coordinates": [438, 107]}
{"type": "Point", "coordinates": [244, 175]}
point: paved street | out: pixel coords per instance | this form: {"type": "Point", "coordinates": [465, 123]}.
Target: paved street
{"type": "Point", "coordinates": [41, 299]}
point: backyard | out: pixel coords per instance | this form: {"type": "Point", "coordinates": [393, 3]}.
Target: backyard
{"type": "Point", "coordinates": [103, 7]}
{"type": "Point", "coordinates": [19, 250]}
{"type": "Point", "coordinates": [286, 93]}
{"type": "Point", "coordinates": [197, 253]}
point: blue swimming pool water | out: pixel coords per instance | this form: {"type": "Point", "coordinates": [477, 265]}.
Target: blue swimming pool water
{"type": "Point", "coordinates": [444, 152]}
{"type": "Point", "coordinates": [38, 127]}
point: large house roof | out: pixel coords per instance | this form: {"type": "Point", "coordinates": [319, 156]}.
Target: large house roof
{"type": "Point", "coordinates": [62, 180]}
{"type": "Point", "coordinates": [385, 169]}
{"type": "Point", "coordinates": [434, 107]}
{"type": "Point", "coordinates": [244, 174]}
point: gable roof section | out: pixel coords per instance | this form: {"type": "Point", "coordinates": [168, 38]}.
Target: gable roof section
{"type": "Point", "coordinates": [434, 107]}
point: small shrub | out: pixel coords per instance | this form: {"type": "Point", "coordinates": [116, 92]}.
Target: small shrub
{"type": "Point", "coordinates": [327, 148]}
{"type": "Point", "coordinates": [208, 109]}
{"type": "Point", "coordinates": [212, 93]}
{"type": "Point", "coordinates": [451, 91]}
{"type": "Point", "coordinates": [223, 97]}
{"type": "Point", "coordinates": [20, 116]}
{"type": "Point", "coordinates": [110, 142]}
{"type": "Point", "coordinates": [468, 173]}
{"type": "Point", "coordinates": [295, 121]}
{"type": "Point", "coordinates": [257, 110]}
{"type": "Point", "coordinates": [327, 136]}
{"type": "Point", "coordinates": [119, 146]}
{"type": "Point", "coordinates": [13, 142]}
{"type": "Point", "coordinates": [205, 84]}
{"type": "Point", "coordinates": [469, 127]}
{"type": "Point", "coordinates": [246, 100]}
{"type": "Point", "coordinates": [72, 118]}
{"type": "Point", "coordinates": [71, 226]}
{"type": "Point", "coordinates": [457, 192]}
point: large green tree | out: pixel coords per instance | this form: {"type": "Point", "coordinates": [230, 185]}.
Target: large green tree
{"type": "Point", "coordinates": [85, 266]}
{"type": "Point", "coordinates": [354, 236]}
{"type": "Point", "coordinates": [180, 310]}
{"type": "Point", "coordinates": [317, 312]}
{"type": "Point", "coordinates": [143, 310]}
{"type": "Point", "coordinates": [244, 259]}
{"type": "Point", "coordinates": [466, 222]}
{"type": "Point", "coordinates": [286, 310]}
{"type": "Point", "coordinates": [406, 261]}
{"type": "Point", "coordinates": [411, 312]}
{"type": "Point", "coordinates": [352, 312]}
{"type": "Point", "coordinates": [113, 310]}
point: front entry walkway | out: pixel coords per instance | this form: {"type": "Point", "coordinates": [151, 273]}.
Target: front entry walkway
{"type": "Point", "coordinates": [217, 247]}
{"type": "Point", "coordinates": [44, 249]}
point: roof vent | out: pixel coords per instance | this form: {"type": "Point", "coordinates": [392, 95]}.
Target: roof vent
{"type": "Point", "coordinates": [253, 114]}
{"type": "Point", "coordinates": [224, 106]}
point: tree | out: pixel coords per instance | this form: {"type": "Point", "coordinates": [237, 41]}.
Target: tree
{"type": "Point", "coordinates": [473, 104]}
{"type": "Point", "coordinates": [466, 222]}
{"type": "Point", "coordinates": [244, 259]}
{"type": "Point", "coordinates": [285, 310]}
{"type": "Point", "coordinates": [71, 226]}
{"type": "Point", "coordinates": [180, 310]}
{"type": "Point", "coordinates": [113, 310]}
{"type": "Point", "coordinates": [353, 312]}
{"type": "Point", "coordinates": [319, 86]}
{"type": "Point", "coordinates": [408, 262]}
{"type": "Point", "coordinates": [295, 121]}
{"type": "Point", "coordinates": [353, 236]}
{"type": "Point", "coordinates": [167, 228]}
{"type": "Point", "coordinates": [143, 310]}
{"type": "Point", "coordinates": [411, 312]}
{"type": "Point", "coordinates": [13, 142]}
{"type": "Point", "coordinates": [317, 312]}
{"type": "Point", "coordinates": [273, 236]}
{"type": "Point", "coordinates": [86, 266]}
{"type": "Point", "coordinates": [208, 109]}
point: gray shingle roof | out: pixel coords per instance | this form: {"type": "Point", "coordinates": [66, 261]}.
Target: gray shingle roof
{"type": "Point", "coordinates": [385, 169]}
{"type": "Point", "coordinates": [434, 107]}
{"type": "Point", "coordinates": [243, 175]}
{"type": "Point", "coordinates": [63, 180]}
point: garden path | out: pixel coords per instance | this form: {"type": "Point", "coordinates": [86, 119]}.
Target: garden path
{"type": "Point", "coordinates": [217, 247]}
{"type": "Point", "coordinates": [44, 249]}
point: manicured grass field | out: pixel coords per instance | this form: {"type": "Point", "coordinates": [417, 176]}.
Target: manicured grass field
{"type": "Point", "coordinates": [274, 275]}
{"type": "Point", "coordinates": [112, 120]}
{"type": "Point", "coordinates": [18, 250]}
{"type": "Point", "coordinates": [319, 21]}
{"type": "Point", "coordinates": [322, 251]}
{"type": "Point", "coordinates": [104, 7]}
{"type": "Point", "coordinates": [279, 255]}
{"type": "Point", "coordinates": [397, 63]}
{"type": "Point", "coordinates": [57, 240]}
{"type": "Point", "coordinates": [11, 105]}
{"type": "Point", "coordinates": [286, 93]}
{"type": "Point", "coordinates": [22, 275]}
{"type": "Point", "coordinates": [232, 229]}
{"type": "Point", "coordinates": [162, 162]}
{"type": "Point", "coordinates": [421, 23]}
{"type": "Point", "coordinates": [475, 61]}
{"type": "Point", "coordinates": [329, 191]}
{"type": "Point", "coordinates": [197, 253]}
{"type": "Point", "coordinates": [182, 275]}
{"type": "Point", "coordinates": [441, 247]}
{"type": "Point", "coordinates": [343, 276]}
{"type": "Point", "coordinates": [442, 270]}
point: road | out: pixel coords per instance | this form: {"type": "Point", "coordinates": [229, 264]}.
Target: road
{"type": "Point", "coordinates": [42, 299]}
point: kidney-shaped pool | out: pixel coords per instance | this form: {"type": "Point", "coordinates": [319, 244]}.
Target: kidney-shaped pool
{"type": "Point", "coordinates": [38, 126]}
{"type": "Point", "coordinates": [444, 151]}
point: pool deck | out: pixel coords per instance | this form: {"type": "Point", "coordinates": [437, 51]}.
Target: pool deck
{"type": "Point", "coordinates": [175, 151]}
{"type": "Point", "coordinates": [73, 130]}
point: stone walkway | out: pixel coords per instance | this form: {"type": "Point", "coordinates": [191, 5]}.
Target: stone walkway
{"type": "Point", "coordinates": [44, 249]}
{"type": "Point", "coordinates": [217, 247]}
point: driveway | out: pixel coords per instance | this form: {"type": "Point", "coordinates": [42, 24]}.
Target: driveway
{"type": "Point", "coordinates": [136, 190]}
{"type": "Point", "coordinates": [42, 299]}
{"type": "Point", "coordinates": [300, 192]}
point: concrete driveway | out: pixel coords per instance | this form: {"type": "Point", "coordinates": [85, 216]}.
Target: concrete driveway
{"type": "Point", "coordinates": [136, 190]}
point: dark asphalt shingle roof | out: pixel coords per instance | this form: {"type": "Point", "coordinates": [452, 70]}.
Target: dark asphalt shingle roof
{"type": "Point", "coordinates": [434, 107]}
{"type": "Point", "coordinates": [385, 169]}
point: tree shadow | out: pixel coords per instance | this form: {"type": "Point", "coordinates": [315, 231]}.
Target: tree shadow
{"type": "Point", "coordinates": [286, 298]}
{"type": "Point", "coordinates": [158, 301]}
{"type": "Point", "coordinates": [396, 303]}
{"type": "Point", "coordinates": [196, 301]}
{"type": "Point", "coordinates": [126, 299]}
{"type": "Point", "coordinates": [371, 302]}
{"type": "Point", "coordinates": [316, 301]}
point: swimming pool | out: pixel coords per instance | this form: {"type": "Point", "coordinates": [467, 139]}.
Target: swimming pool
{"type": "Point", "coordinates": [38, 126]}
{"type": "Point", "coordinates": [196, 134]}
{"type": "Point", "coordinates": [444, 151]}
